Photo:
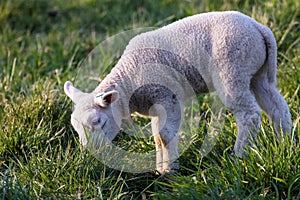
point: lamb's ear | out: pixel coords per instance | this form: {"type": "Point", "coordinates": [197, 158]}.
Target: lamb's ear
{"type": "Point", "coordinates": [104, 99]}
{"type": "Point", "coordinates": [71, 91]}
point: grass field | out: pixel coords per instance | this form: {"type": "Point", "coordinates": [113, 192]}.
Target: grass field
{"type": "Point", "coordinates": [42, 44]}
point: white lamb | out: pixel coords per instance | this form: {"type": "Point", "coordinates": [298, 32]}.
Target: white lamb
{"type": "Point", "coordinates": [227, 52]}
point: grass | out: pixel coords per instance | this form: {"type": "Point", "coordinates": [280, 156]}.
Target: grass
{"type": "Point", "coordinates": [42, 44]}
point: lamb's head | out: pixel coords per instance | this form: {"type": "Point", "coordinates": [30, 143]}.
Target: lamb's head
{"type": "Point", "coordinates": [93, 113]}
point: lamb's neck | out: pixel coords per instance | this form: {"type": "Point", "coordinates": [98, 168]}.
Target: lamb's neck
{"type": "Point", "coordinates": [118, 80]}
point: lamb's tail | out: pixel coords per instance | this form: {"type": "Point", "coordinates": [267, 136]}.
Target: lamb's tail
{"type": "Point", "coordinates": [271, 47]}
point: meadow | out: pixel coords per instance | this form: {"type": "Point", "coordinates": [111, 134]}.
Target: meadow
{"type": "Point", "coordinates": [43, 43]}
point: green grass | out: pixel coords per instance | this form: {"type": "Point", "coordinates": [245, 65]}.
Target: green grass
{"type": "Point", "coordinates": [42, 44]}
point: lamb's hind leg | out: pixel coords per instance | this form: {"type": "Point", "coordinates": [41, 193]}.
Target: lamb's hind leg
{"type": "Point", "coordinates": [248, 120]}
{"type": "Point", "coordinates": [271, 101]}
{"type": "Point", "coordinates": [235, 94]}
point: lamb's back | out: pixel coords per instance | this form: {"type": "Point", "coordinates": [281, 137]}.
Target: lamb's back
{"type": "Point", "coordinates": [187, 47]}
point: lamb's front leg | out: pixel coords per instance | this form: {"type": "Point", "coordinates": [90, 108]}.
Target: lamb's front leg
{"type": "Point", "coordinates": [158, 144]}
{"type": "Point", "coordinates": [170, 150]}
{"type": "Point", "coordinates": [166, 142]}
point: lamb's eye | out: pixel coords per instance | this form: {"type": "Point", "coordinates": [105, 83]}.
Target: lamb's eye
{"type": "Point", "coordinates": [96, 122]}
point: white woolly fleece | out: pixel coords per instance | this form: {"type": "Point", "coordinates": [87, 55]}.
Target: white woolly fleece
{"type": "Point", "coordinates": [227, 52]}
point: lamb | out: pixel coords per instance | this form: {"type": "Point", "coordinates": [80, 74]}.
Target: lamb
{"type": "Point", "coordinates": [226, 52]}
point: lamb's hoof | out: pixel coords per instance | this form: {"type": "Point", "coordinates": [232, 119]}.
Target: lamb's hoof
{"type": "Point", "coordinates": [164, 172]}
